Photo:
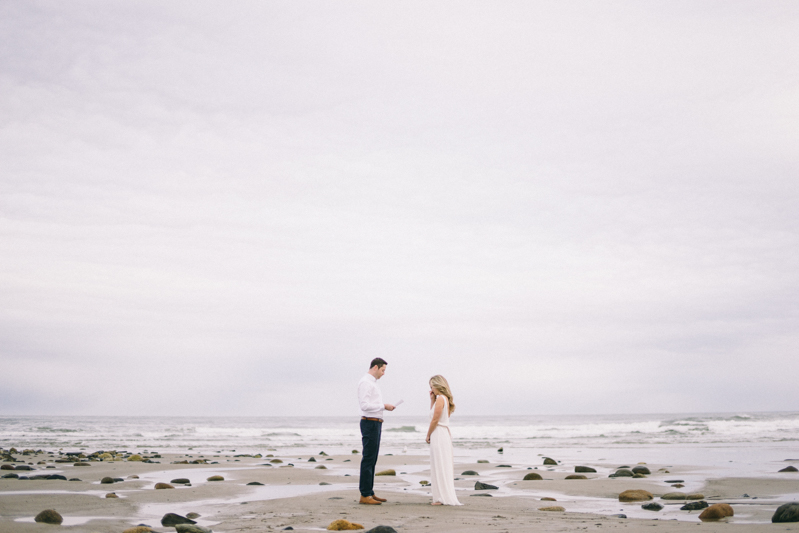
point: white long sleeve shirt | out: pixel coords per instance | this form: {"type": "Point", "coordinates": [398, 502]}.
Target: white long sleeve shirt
{"type": "Point", "coordinates": [370, 399]}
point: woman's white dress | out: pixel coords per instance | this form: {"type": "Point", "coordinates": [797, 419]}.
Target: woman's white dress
{"type": "Point", "coordinates": [441, 462]}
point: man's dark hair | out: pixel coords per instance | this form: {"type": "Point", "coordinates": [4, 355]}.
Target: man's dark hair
{"type": "Point", "coordinates": [378, 362]}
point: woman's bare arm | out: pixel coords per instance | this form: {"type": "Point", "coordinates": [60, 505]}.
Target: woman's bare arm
{"type": "Point", "coordinates": [436, 417]}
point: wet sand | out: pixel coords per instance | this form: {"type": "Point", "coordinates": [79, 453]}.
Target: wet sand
{"type": "Point", "coordinates": [306, 497]}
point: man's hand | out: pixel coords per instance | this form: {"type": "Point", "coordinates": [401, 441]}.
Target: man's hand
{"type": "Point", "coordinates": [388, 407]}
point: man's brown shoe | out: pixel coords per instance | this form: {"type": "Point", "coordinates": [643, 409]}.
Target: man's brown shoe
{"type": "Point", "coordinates": [368, 500]}
{"type": "Point", "coordinates": [381, 500]}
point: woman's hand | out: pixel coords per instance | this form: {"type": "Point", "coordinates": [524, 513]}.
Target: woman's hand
{"type": "Point", "coordinates": [427, 440]}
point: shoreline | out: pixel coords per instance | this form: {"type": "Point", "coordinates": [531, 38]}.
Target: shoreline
{"type": "Point", "coordinates": [307, 492]}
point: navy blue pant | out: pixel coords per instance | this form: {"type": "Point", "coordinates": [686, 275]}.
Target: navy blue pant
{"type": "Point", "coordinates": [370, 436]}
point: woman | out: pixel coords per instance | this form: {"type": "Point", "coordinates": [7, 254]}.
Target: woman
{"type": "Point", "coordinates": [440, 440]}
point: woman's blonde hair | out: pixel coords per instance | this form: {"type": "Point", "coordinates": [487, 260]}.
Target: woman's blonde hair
{"type": "Point", "coordinates": [439, 383]}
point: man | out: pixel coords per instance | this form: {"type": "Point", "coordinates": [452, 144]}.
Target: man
{"type": "Point", "coordinates": [371, 402]}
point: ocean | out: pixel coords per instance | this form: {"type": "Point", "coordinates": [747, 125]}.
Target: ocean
{"type": "Point", "coordinates": [742, 441]}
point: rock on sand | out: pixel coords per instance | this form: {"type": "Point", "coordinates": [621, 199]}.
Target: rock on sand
{"type": "Point", "coordinates": [172, 519]}
{"type": "Point", "coordinates": [343, 525]}
{"type": "Point", "coordinates": [788, 512]}
{"type": "Point", "coordinates": [532, 476]}
{"type": "Point", "coordinates": [585, 469]}
{"type": "Point", "coordinates": [552, 508]}
{"type": "Point", "coordinates": [694, 506]}
{"type": "Point", "coordinates": [389, 472]}
{"type": "Point", "coordinates": [717, 511]}
{"type": "Point", "coordinates": [382, 529]}
{"type": "Point", "coordinates": [636, 495]}
{"type": "Point", "coordinates": [790, 469]}
{"type": "Point", "coordinates": [49, 516]}
{"type": "Point", "coordinates": [163, 486]}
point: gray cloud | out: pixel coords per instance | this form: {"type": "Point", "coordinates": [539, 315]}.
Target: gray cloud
{"type": "Point", "coordinates": [563, 207]}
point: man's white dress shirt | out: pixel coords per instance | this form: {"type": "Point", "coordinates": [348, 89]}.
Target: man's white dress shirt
{"type": "Point", "coordinates": [370, 398]}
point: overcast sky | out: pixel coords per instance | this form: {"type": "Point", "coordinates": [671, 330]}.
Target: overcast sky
{"type": "Point", "coordinates": [230, 208]}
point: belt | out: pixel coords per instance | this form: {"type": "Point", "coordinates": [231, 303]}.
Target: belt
{"type": "Point", "coordinates": [372, 419]}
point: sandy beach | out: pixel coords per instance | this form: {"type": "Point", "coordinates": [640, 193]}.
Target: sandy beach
{"type": "Point", "coordinates": [305, 492]}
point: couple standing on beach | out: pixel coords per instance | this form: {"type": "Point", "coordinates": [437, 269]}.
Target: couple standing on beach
{"type": "Point", "coordinates": [439, 438]}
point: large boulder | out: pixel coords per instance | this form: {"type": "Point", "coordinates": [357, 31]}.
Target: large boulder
{"type": "Point", "coordinates": [533, 476]}
{"type": "Point", "coordinates": [216, 478]}
{"type": "Point", "coordinates": [550, 461]}
{"type": "Point", "coordinates": [160, 486]}
{"type": "Point", "coordinates": [576, 476]}
{"type": "Point", "coordinates": [635, 495]}
{"type": "Point", "coordinates": [790, 469]}
{"type": "Point", "coordinates": [717, 511]}
{"type": "Point", "coordinates": [641, 469]}
{"type": "Point", "coordinates": [484, 486]}
{"type": "Point", "coordinates": [382, 529]}
{"type": "Point", "coordinates": [468, 473]}
{"type": "Point", "coordinates": [49, 516]}
{"type": "Point", "coordinates": [788, 512]}
{"type": "Point", "coordinates": [585, 469]}
{"type": "Point", "coordinates": [389, 472]}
